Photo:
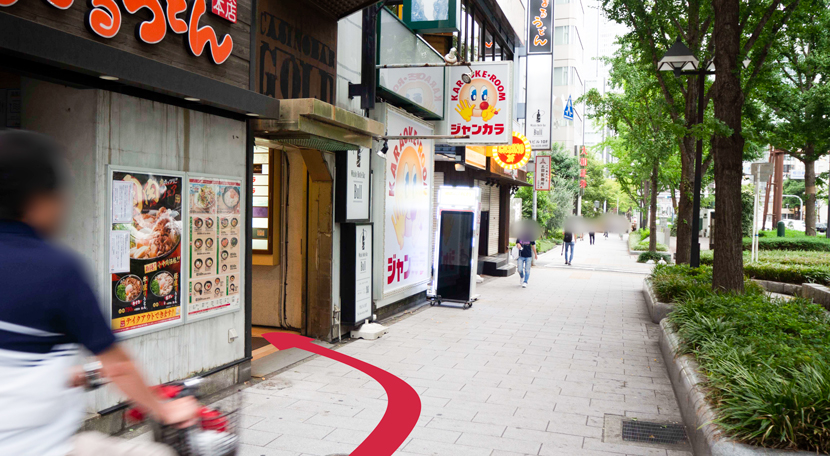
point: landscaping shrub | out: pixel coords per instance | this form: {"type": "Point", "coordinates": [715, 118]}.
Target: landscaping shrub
{"type": "Point", "coordinates": [558, 234]}
{"type": "Point", "coordinates": [815, 244]}
{"type": "Point", "coordinates": [645, 256]}
{"type": "Point", "coordinates": [784, 266]}
{"type": "Point", "coordinates": [767, 363]}
{"type": "Point", "coordinates": [643, 245]}
{"type": "Point", "coordinates": [672, 282]}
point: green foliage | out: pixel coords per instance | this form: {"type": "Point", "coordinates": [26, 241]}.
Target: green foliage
{"type": "Point", "coordinates": [558, 234]}
{"type": "Point", "coordinates": [643, 245]}
{"type": "Point", "coordinates": [553, 207]}
{"type": "Point", "coordinates": [747, 204]}
{"type": "Point", "coordinates": [815, 244]}
{"type": "Point", "coordinates": [673, 282]}
{"type": "Point", "coordinates": [767, 364]}
{"type": "Point", "coordinates": [645, 256]}
{"type": "Point", "coordinates": [784, 266]}
{"type": "Point", "coordinates": [787, 233]}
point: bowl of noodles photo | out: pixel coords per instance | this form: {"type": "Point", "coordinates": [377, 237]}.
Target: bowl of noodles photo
{"type": "Point", "coordinates": [128, 289]}
{"type": "Point", "coordinates": [204, 199]}
{"type": "Point", "coordinates": [162, 284]}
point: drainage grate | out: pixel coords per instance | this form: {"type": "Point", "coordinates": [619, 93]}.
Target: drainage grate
{"type": "Point", "coordinates": [658, 433]}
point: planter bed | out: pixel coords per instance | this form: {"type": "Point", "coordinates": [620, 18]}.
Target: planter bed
{"type": "Point", "coordinates": [688, 384]}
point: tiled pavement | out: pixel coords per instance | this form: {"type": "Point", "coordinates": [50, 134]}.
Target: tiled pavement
{"type": "Point", "coordinates": [523, 372]}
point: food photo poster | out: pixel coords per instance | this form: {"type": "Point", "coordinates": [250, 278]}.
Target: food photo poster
{"type": "Point", "coordinates": [145, 249]}
{"type": "Point", "coordinates": [215, 241]}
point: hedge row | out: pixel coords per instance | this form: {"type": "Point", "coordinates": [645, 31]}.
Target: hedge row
{"type": "Point", "coordinates": [815, 244]}
{"type": "Point", "coordinates": [769, 268]}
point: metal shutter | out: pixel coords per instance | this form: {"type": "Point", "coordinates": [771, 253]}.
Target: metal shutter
{"type": "Point", "coordinates": [485, 195]}
{"type": "Point", "coordinates": [493, 241]}
{"type": "Point", "coordinates": [437, 182]}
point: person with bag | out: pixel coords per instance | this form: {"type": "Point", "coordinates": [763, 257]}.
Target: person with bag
{"type": "Point", "coordinates": [568, 243]}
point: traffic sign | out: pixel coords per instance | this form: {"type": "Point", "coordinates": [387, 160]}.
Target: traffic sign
{"type": "Point", "coordinates": [569, 109]}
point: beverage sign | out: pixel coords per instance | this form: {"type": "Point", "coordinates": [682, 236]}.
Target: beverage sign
{"type": "Point", "coordinates": [539, 106]}
{"type": "Point", "coordinates": [482, 107]}
{"type": "Point", "coordinates": [541, 173]}
{"type": "Point", "coordinates": [408, 197]}
{"type": "Point", "coordinates": [215, 227]}
{"type": "Point", "coordinates": [540, 29]}
{"type": "Point", "coordinates": [226, 9]}
{"type": "Point", "coordinates": [352, 196]}
{"type": "Point", "coordinates": [515, 155]}
{"type": "Point", "coordinates": [147, 292]}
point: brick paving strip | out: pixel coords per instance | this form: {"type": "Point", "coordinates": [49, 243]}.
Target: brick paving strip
{"type": "Point", "coordinates": [523, 372]}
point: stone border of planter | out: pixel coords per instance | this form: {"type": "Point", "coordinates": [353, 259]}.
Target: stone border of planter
{"type": "Point", "coordinates": [688, 384]}
{"type": "Point", "coordinates": [656, 309]}
{"type": "Point", "coordinates": [780, 287]}
{"type": "Point", "coordinates": [820, 294]}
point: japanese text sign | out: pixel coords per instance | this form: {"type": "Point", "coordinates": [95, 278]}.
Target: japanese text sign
{"type": "Point", "coordinates": [482, 107]}
{"type": "Point", "coordinates": [514, 155]}
{"type": "Point", "coordinates": [541, 173]}
{"type": "Point", "coordinates": [539, 28]}
{"type": "Point", "coordinates": [583, 163]}
{"type": "Point", "coordinates": [226, 9]}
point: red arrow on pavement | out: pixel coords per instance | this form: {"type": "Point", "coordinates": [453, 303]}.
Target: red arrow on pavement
{"type": "Point", "coordinates": [403, 404]}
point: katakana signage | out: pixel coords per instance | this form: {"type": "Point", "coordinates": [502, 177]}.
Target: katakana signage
{"type": "Point", "coordinates": [515, 155]}
{"type": "Point", "coordinates": [482, 107]}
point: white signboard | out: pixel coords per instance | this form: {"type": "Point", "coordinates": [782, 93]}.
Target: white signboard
{"type": "Point", "coordinates": [482, 107]}
{"type": "Point", "coordinates": [363, 272]}
{"type": "Point", "coordinates": [357, 184]}
{"type": "Point", "coordinates": [422, 86]}
{"type": "Point", "coordinates": [122, 202]}
{"type": "Point", "coordinates": [541, 173]}
{"type": "Point", "coordinates": [539, 101]}
{"type": "Point", "coordinates": [407, 223]}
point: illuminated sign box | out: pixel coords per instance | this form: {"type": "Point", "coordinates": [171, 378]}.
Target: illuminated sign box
{"type": "Point", "coordinates": [432, 16]}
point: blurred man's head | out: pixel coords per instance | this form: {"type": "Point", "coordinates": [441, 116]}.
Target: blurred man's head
{"type": "Point", "coordinates": [32, 181]}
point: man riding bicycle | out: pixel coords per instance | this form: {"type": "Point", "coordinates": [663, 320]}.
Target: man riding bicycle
{"type": "Point", "coordinates": [47, 312]}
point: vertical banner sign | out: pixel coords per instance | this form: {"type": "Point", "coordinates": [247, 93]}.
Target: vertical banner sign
{"type": "Point", "coordinates": [583, 167]}
{"type": "Point", "coordinates": [482, 107]}
{"type": "Point", "coordinates": [541, 173]}
{"type": "Point", "coordinates": [407, 223]}
{"type": "Point", "coordinates": [540, 29]}
{"type": "Point", "coordinates": [356, 272]}
{"type": "Point", "coordinates": [352, 195]}
{"type": "Point", "coordinates": [215, 226]}
{"type": "Point", "coordinates": [539, 108]}
{"type": "Point", "coordinates": [145, 249]}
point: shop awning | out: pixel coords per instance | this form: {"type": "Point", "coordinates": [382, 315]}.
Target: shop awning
{"type": "Point", "coordinates": [314, 124]}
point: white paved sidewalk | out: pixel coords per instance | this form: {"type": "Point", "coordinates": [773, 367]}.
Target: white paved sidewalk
{"type": "Point", "coordinates": [523, 372]}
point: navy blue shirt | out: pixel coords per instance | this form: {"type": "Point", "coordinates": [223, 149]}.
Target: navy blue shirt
{"type": "Point", "coordinates": [525, 249]}
{"type": "Point", "coordinates": [42, 288]}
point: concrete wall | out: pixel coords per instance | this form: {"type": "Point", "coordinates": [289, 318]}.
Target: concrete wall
{"type": "Point", "coordinates": [101, 128]}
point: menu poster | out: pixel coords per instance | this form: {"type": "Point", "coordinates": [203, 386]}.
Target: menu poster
{"type": "Point", "coordinates": [148, 292]}
{"type": "Point", "coordinates": [215, 243]}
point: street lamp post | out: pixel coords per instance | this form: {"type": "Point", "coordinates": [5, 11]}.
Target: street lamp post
{"type": "Point", "coordinates": [680, 60]}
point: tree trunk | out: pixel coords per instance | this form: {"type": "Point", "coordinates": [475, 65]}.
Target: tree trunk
{"type": "Point", "coordinates": [728, 273]}
{"type": "Point", "coordinates": [644, 205]}
{"type": "Point", "coordinates": [810, 191]}
{"type": "Point", "coordinates": [674, 199]}
{"type": "Point", "coordinates": [652, 224]}
{"type": "Point", "coordinates": [687, 184]}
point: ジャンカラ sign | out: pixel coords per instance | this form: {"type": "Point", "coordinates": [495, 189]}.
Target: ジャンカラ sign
{"type": "Point", "coordinates": [482, 107]}
{"type": "Point", "coordinates": [515, 155]}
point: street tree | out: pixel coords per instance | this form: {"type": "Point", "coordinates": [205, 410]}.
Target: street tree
{"type": "Point", "coordinates": [796, 96]}
{"type": "Point", "coordinates": [640, 117]}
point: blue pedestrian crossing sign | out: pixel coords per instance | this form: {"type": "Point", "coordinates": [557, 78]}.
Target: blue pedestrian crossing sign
{"type": "Point", "coordinates": [569, 109]}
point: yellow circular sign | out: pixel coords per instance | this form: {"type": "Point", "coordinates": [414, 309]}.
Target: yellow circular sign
{"type": "Point", "coordinates": [515, 155]}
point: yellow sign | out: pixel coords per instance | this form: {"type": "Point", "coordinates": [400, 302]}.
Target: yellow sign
{"type": "Point", "coordinates": [476, 156]}
{"type": "Point", "coordinates": [515, 155]}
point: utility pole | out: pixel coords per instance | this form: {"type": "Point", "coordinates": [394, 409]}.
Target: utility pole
{"type": "Point", "coordinates": [778, 178]}
{"type": "Point", "coordinates": [534, 203]}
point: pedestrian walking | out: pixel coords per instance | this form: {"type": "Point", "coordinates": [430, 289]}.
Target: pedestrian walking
{"type": "Point", "coordinates": [568, 244]}
{"type": "Point", "coordinates": [527, 253]}
{"type": "Point", "coordinates": [43, 326]}
{"type": "Point", "coordinates": [591, 237]}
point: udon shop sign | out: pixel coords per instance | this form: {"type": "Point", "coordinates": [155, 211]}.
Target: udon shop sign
{"type": "Point", "coordinates": [481, 108]}
{"type": "Point", "coordinates": [104, 18]}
